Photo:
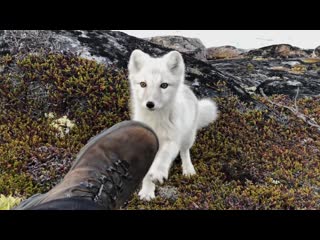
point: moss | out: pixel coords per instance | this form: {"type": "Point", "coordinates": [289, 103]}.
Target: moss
{"type": "Point", "coordinates": [33, 153]}
{"type": "Point", "coordinates": [248, 159]}
{"type": "Point", "coordinates": [250, 67]}
{"type": "Point", "coordinates": [6, 203]}
{"type": "Point", "coordinates": [299, 69]}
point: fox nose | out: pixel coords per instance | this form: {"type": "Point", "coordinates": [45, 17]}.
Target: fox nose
{"type": "Point", "coordinates": [150, 105]}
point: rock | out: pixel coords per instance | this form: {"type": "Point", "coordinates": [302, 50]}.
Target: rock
{"type": "Point", "coordinates": [278, 51]}
{"type": "Point", "coordinates": [224, 52]}
{"type": "Point", "coordinates": [275, 76]}
{"type": "Point", "coordinates": [114, 48]}
{"type": "Point", "coordinates": [167, 192]}
{"type": "Point", "coordinates": [192, 46]}
{"type": "Point", "coordinates": [317, 52]}
{"type": "Point", "coordinates": [307, 87]}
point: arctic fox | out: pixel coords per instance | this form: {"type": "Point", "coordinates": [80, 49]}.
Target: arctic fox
{"type": "Point", "coordinates": [160, 99]}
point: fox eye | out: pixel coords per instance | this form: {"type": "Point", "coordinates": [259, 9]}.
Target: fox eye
{"type": "Point", "coordinates": [143, 84]}
{"type": "Point", "coordinates": [164, 85]}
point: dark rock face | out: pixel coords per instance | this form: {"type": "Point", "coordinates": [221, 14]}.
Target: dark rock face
{"type": "Point", "coordinates": [192, 46]}
{"type": "Point", "coordinates": [264, 67]}
{"type": "Point", "coordinates": [115, 48]}
{"type": "Point", "coordinates": [306, 87]}
{"type": "Point", "coordinates": [275, 76]}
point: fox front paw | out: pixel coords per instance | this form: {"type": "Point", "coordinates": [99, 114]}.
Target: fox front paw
{"type": "Point", "coordinates": [189, 171]}
{"type": "Point", "coordinates": [146, 195]}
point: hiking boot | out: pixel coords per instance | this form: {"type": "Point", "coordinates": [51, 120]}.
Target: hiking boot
{"type": "Point", "coordinates": [106, 172]}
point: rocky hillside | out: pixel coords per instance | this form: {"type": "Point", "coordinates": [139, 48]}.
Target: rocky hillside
{"type": "Point", "coordinates": [60, 88]}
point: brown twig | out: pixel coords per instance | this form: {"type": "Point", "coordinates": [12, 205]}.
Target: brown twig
{"type": "Point", "coordinates": [294, 110]}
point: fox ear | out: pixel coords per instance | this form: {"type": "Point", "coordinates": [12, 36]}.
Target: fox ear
{"type": "Point", "coordinates": [137, 59]}
{"type": "Point", "coordinates": [175, 62]}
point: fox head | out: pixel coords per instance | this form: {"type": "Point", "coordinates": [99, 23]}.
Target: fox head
{"type": "Point", "coordinates": [155, 81]}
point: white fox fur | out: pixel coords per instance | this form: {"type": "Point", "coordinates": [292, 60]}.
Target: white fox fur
{"type": "Point", "coordinates": [176, 114]}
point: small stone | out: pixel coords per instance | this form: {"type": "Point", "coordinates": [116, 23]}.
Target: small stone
{"type": "Point", "coordinates": [167, 192]}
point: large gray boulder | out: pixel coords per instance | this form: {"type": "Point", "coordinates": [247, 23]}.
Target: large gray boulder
{"type": "Point", "coordinates": [192, 46]}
